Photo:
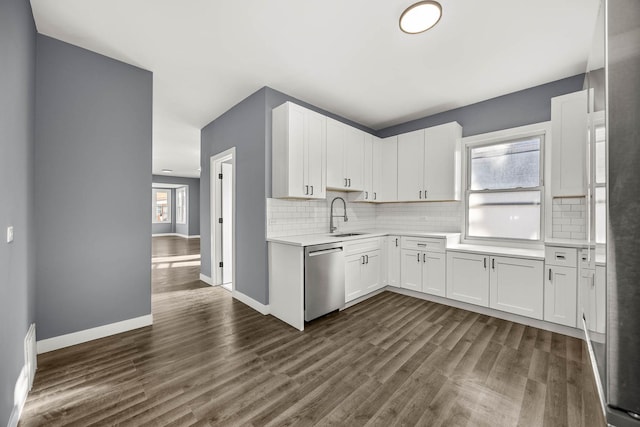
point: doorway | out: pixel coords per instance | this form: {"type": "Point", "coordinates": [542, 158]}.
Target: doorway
{"type": "Point", "coordinates": [222, 219]}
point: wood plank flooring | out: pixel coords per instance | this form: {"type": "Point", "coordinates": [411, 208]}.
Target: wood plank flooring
{"type": "Point", "coordinates": [392, 360]}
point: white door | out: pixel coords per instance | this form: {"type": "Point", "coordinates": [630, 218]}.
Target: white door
{"type": "Point", "coordinates": [516, 286]}
{"type": "Point", "coordinates": [468, 277]}
{"type": "Point", "coordinates": [434, 273]}
{"type": "Point", "coordinates": [335, 154]}
{"type": "Point", "coordinates": [442, 162]}
{"type": "Point", "coordinates": [315, 148]}
{"type": "Point", "coordinates": [411, 270]}
{"type": "Point", "coordinates": [393, 259]}
{"type": "Point", "coordinates": [353, 287]}
{"type": "Point", "coordinates": [371, 276]}
{"type": "Point", "coordinates": [560, 295]}
{"type": "Point", "coordinates": [411, 166]}
{"type": "Point", "coordinates": [354, 158]}
{"type": "Point", "coordinates": [227, 223]}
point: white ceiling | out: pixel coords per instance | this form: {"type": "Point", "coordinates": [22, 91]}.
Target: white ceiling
{"type": "Point", "coordinates": [348, 57]}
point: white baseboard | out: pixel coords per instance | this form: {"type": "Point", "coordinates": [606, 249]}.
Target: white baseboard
{"type": "Point", "coordinates": [86, 335]}
{"type": "Point", "coordinates": [20, 392]}
{"type": "Point", "coordinates": [364, 297]}
{"type": "Point", "coordinates": [257, 306]}
{"type": "Point", "coordinates": [540, 324]}
{"type": "Point", "coordinates": [184, 236]}
{"type": "Point", "coordinates": [195, 236]}
{"type": "Point", "coordinates": [206, 279]}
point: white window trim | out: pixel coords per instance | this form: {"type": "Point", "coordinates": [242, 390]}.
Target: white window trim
{"type": "Point", "coordinates": [153, 205]}
{"type": "Point", "coordinates": [186, 205]}
{"type": "Point", "coordinates": [537, 129]}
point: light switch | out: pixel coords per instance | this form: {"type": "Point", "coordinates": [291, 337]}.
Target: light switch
{"type": "Point", "coordinates": [10, 234]}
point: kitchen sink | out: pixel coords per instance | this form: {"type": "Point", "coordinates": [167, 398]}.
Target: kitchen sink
{"type": "Point", "coordinates": [347, 234]}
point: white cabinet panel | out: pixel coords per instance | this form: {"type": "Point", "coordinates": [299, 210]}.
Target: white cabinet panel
{"type": "Point", "coordinates": [587, 298]}
{"type": "Point", "coordinates": [442, 162]}
{"type": "Point", "coordinates": [386, 168]}
{"type": "Point", "coordinates": [516, 286]}
{"type": "Point", "coordinates": [298, 153]}
{"type": "Point", "coordinates": [411, 270]}
{"type": "Point", "coordinates": [345, 157]}
{"type": "Point", "coordinates": [600, 299]}
{"type": "Point", "coordinates": [371, 277]}
{"type": "Point", "coordinates": [569, 144]}
{"type": "Point", "coordinates": [335, 154]}
{"type": "Point", "coordinates": [468, 278]}
{"type": "Point", "coordinates": [411, 166]}
{"type": "Point", "coordinates": [353, 284]}
{"type": "Point", "coordinates": [560, 295]}
{"type": "Point", "coordinates": [354, 159]}
{"type": "Point", "coordinates": [434, 273]}
{"type": "Point", "coordinates": [363, 274]}
{"type": "Point", "coordinates": [393, 261]}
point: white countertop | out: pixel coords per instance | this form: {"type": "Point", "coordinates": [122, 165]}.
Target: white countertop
{"type": "Point", "coordinates": [531, 253]}
{"type": "Point", "coordinates": [320, 239]}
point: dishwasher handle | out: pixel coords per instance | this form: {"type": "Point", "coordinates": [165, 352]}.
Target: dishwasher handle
{"type": "Point", "coordinates": [324, 251]}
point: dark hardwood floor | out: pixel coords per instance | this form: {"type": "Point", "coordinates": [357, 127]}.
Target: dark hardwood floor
{"type": "Point", "coordinates": [391, 360]}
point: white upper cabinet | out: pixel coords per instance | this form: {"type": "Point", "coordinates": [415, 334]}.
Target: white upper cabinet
{"type": "Point", "coordinates": [385, 169]}
{"type": "Point", "coordinates": [429, 164]}
{"type": "Point", "coordinates": [569, 145]}
{"type": "Point", "coordinates": [345, 157]}
{"type": "Point", "coordinates": [298, 153]}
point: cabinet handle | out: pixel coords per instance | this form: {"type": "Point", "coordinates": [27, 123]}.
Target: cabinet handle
{"type": "Point", "coordinates": [493, 263]}
{"type": "Point", "coordinates": [424, 257]}
{"type": "Point", "coordinates": [485, 263]}
{"type": "Point", "coordinates": [367, 259]}
{"type": "Point", "coordinates": [549, 274]}
{"type": "Point", "coordinates": [306, 189]}
{"type": "Point", "coordinates": [593, 280]}
{"type": "Point", "coordinates": [396, 242]}
{"type": "Point", "coordinates": [420, 194]}
{"type": "Point", "coordinates": [375, 196]}
{"type": "Point", "coordinates": [559, 256]}
{"type": "Point", "coordinates": [312, 190]}
{"type": "Point", "coordinates": [366, 195]}
{"type": "Point", "coordinates": [362, 259]}
{"type": "Point", "coordinates": [425, 194]}
{"type": "Point", "coordinates": [349, 182]}
{"type": "Point", "coordinates": [418, 256]}
{"type": "Point", "coordinates": [345, 182]}
{"type": "Point", "coordinates": [424, 245]}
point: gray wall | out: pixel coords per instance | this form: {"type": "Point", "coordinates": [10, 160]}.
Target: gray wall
{"type": "Point", "coordinates": [17, 281]}
{"type": "Point", "coordinates": [92, 166]}
{"type": "Point", "coordinates": [192, 228]}
{"type": "Point", "coordinates": [515, 109]}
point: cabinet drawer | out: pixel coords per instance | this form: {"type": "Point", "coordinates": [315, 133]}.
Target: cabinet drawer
{"type": "Point", "coordinates": [563, 257]}
{"type": "Point", "coordinates": [583, 259]}
{"type": "Point", "coordinates": [423, 244]}
{"type": "Point", "coordinates": [362, 245]}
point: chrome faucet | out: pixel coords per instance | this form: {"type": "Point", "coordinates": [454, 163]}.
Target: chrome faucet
{"type": "Point", "coordinates": [331, 227]}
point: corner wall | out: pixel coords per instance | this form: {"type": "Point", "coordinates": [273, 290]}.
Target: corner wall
{"type": "Point", "coordinates": [17, 110]}
{"type": "Point", "coordinates": [92, 181]}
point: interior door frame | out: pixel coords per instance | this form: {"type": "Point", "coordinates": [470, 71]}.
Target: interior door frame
{"type": "Point", "coordinates": [215, 192]}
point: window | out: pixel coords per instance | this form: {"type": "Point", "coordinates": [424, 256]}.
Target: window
{"type": "Point", "coordinates": [181, 205]}
{"type": "Point", "coordinates": [161, 205]}
{"type": "Point", "coordinates": [600, 185]}
{"type": "Point", "coordinates": [504, 189]}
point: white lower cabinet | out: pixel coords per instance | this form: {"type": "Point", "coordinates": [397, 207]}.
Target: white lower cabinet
{"type": "Point", "coordinates": [394, 255]}
{"type": "Point", "coordinates": [423, 265]}
{"type": "Point", "coordinates": [516, 286]}
{"type": "Point", "coordinates": [411, 270]}
{"type": "Point", "coordinates": [600, 303]}
{"type": "Point", "coordinates": [363, 268]}
{"type": "Point", "coordinates": [560, 295]}
{"type": "Point", "coordinates": [468, 277]}
{"type": "Point", "coordinates": [434, 273]}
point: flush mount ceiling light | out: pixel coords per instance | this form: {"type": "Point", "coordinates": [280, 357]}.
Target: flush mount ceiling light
{"type": "Point", "coordinates": [421, 16]}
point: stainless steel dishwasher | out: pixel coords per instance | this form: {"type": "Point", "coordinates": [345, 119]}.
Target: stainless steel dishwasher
{"type": "Point", "coordinates": [323, 279]}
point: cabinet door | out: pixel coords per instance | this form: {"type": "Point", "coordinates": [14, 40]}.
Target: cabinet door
{"type": "Point", "coordinates": [371, 277]}
{"type": "Point", "coordinates": [369, 148]}
{"type": "Point", "coordinates": [560, 295]}
{"type": "Point", "coordinates": [411, 270]}
{"type": "Point", "coordinates": [315, 157]}
{"type": "Point", "coordinates": [393, 261]}
{"type": "Point", "coordinates": [376, 169]}
{"type": "Point", "coordinates": [353, 284]}
{"type": "Point", "coordinates": [387, 190]}
{"type": "Point", "coordinates": [587, 298]}
{"type": "Point", "coordinates": [354, 159]}
{"type": "Point", "coordinates": [442, 173]}
{"type": "Point", "coordinates": [600, 299]}
{"type": "Point", "coordinates": [411, 166]}
{"type": "Point", "coordinates": [468, 278]}
{"type": "Point", "coordinates": [516, 286]}
{"type": "Point", "coordinates": [335, 154]}
{"type": "Point", "coordinates": [569, 144]}
{"type": "Point", "coordinates": [434, 273]}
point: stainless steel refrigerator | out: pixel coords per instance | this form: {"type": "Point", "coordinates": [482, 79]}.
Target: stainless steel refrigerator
{"type": "Point", "coordinates": [621, 379]}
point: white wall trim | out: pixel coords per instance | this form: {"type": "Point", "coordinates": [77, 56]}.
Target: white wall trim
{"type": "Point", "coordinates": [540, 324]}
{"type": "Point", "coordinates": [86, 335]}
{"type": "Point", "coordinates": [257, 306]}
{"type": "Point", "coordinates": [364, 297]}
{"type": "Point", "coordinates": [206, 279]}
{"type": "Point", "coordinates": [195, 236]}
{"type": "Point", "coordinates": [20, 393]}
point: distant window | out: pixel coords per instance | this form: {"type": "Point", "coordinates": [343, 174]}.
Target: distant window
{"type": "Point", "coordinates": [181, 205]}
{"type": "Point", "coordinates": [161, 212]}
{"type": "Point", "coordinates": [504, 189]}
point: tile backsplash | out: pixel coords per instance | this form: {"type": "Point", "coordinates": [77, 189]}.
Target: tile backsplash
{"type": "Point", "coordinates": [569, 218]}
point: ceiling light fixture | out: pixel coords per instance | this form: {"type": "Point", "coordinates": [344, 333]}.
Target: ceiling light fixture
{"type": "Point", "coordinates": [167, 170]}
{"type": "Point", "coordinates": [421, 16]}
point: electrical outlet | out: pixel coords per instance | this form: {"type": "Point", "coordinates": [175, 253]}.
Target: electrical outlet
{"type": "Point", "coordinates": [10, 234]}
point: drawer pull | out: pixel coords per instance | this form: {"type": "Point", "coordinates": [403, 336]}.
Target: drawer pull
{"type": "Point", "coordinates": [424, 245]}
{"type": "Point", "coordinates": [560, 257]}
